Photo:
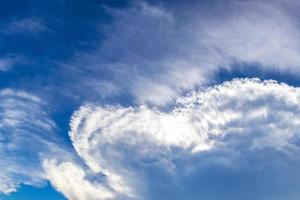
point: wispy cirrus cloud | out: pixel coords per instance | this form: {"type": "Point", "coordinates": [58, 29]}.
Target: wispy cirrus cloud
{"type": "Point", "coordinates": [26, 135]}
{"type": "Point", "coordinates": [6, 64]}
{"type": "Point", "coordinates": [155, 52]}
{"type": "Point", "coordinates": [9, 61]}
{"type": "Point", "coordinates": [31, 25]}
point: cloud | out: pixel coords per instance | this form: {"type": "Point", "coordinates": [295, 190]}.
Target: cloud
{"type": "Point", "coordinates": [71, 180]}
{"type": "Point", "coordinates": [123, 146]}
{"type": "Point", "coordinates": [6, 63]}
{"type": "Point", "coordinates": [26, 134]}
{"type": "Point", "coordinates": [154, 53]}
{"type": "Point", "coordinates": [27, 25]}
{"type": "Point", "coordinates": [255, 32]}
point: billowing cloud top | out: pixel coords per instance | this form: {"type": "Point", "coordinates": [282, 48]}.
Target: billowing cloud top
{"type": "Point", "coordinates": [121, 144]}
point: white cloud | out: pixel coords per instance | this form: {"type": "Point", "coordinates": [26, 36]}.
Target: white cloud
{"type": "Point", "coordinates": [72, 182]}
{"type": "Point", "coordinates": [155, 53]}
{"type": "Point", "coordinates": [26, 133]}
{"type": "Point", "coordinates": [118, 144]}
{"type": "Point", "coordinates": [255, 32]}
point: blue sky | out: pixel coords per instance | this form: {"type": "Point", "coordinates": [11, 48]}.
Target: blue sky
{"type": "Point", "coordinates": [138, 99]}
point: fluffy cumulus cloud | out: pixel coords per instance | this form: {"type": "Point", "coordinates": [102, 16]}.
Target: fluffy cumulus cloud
{"type": "Point", "coordinates": [26, 133]}
{"type": "Point", "coordinates": [167, 49]}
{"type": "Point", "coordinates": [72, 181]}
{"type": "Point", "coordinates": [122, 145]}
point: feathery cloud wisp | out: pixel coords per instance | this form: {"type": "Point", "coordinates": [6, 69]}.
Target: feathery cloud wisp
{"type": "Point", "coordinates": [26, 133]}
{"type": "Point", "coordinates": [165, 51]}
{"type": "Point", "coordinates": [26, 25]}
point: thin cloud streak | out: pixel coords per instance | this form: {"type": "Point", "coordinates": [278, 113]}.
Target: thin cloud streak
{"type": "Point", "coordinates": [29, 25]}
{"type": "Point", "coordinates": [27, 135]}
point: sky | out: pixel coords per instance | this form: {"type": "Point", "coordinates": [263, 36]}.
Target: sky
{"type": "Point", "coordinates": [149, 100]}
